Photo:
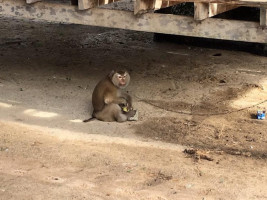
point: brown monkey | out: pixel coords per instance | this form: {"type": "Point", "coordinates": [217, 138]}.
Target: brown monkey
{"type": "Point", "coordinates": [108, 99]}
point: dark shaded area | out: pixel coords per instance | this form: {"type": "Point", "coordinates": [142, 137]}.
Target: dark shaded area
{"type": "Point", "coordinates": [255, 48]}
{"type": "Point", "coordinates": [241, 13]}
{"type": "Point", "coordinates": [253, 116]}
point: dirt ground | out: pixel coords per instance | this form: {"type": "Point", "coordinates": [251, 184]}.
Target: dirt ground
{"type": "Point", "coordinates": [187, 97]}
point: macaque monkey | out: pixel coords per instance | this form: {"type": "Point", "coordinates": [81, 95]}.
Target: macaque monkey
{"type": "Point", "coordinates": [110, 103]}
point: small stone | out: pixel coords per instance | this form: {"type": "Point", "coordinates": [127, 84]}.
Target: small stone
{"type": "Point", "coordinates": [188, 186]}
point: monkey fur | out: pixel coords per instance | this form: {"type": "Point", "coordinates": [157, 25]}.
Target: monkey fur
{"type": "Point", "coordinates": [110, 103]}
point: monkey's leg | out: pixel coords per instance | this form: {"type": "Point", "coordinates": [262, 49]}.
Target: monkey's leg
{"type": "Point", "coordinates": [121, 117]}
{"type": "Point", "coordinates": [104, 115]}
{"type": "Point", "coordinates": [130, 114]}
{"type": "Point", "coordinates": [117, 113]}
{"type": "Point", "coordinates": [111, 112]}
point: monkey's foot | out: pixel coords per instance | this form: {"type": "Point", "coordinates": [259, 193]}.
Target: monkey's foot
{"type": "Point", "coordinates": [130, 113]}
{"type": "Point", "coordinates": [134, 117]}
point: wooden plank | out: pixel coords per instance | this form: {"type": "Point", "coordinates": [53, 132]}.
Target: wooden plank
{"type": "Point", "coordinates": [163, 4]}
{"type": "Point", "coordinates": [87, 4]}
{"type": "Point", "coordinates": [253, 3]}
{"type": "Point", "coordinates": [263, 17]}
{"type": "Point", "coordinates": [149, 22]}
{"type": "Point", "coordinates": [32, 1]}
{"type": "Point", "coordinates": [201, 11]}
{"type": "Point", "coordinates": [218, 8]}
{"type": "Point", "coordinates": [158, 4]}
{"type": "Point", "coordinates": [143, 6]}
{"type": "Point", "coordinates": [205, 10]}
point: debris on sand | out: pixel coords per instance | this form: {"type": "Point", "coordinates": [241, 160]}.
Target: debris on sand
{"type": "Point", "coordinates": [135, 117]}
{"type": "Point", "coordinates": [198, 154]}
{"type": "Point", "coordinates": [261, 114]}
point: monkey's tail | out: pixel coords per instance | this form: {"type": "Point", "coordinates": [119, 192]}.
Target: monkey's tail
{"type": "Point", "coordinates": [90, 119]}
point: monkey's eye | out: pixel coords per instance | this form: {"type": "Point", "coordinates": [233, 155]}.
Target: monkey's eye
{"type": "Point", "coordinates": [119, 77]}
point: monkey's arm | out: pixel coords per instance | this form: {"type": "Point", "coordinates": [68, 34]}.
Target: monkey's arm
{"type": "Point", "coordinates": [108, 99]}
{"type": "Point", "coordinates": [128, 99]}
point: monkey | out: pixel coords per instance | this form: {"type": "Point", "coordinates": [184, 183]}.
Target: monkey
{"type": "Point", "coordinates": [110, 103]}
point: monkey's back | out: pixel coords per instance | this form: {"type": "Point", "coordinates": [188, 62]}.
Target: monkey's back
{"type": "Point", "coordinates": [103, 88]}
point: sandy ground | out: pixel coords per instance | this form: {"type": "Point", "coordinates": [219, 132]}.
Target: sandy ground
{"type": "Point", "coordinates": [201, 98]}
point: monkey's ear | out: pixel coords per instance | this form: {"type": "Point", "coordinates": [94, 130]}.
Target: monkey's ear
{"type": "Point", "coordinates": [111, 73]}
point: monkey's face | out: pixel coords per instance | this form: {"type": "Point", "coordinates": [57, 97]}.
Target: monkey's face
{"type": "Point", "coordinates": [121, 79]}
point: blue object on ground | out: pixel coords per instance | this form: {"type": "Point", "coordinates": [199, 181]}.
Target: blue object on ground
{"type": "Point", "coordinates": [260, 114]}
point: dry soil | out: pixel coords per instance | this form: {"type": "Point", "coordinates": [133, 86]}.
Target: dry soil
{"type": "Point", "coordinates": [187, 97]}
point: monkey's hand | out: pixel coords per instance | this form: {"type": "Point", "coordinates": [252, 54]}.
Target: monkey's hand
{"type": "Point", "coordinates": [131, 114]}
{"type": "Point", "coordinates": [128, 100]}
{"type": "Point", "coordinates": [129, 106]}
{"type": "Point", "coordinates": [126, 108]}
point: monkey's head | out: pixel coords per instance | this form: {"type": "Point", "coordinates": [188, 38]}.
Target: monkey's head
{"type": "Point", "coordinates": [120, 79]}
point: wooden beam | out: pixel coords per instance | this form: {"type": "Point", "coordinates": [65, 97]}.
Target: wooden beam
{"type": "Point", "coordinates": [205, 10]}
{"type": "Point", "coordinates": [201, 11]}
{"type": "Point", "coordinates": [218, 8]}
{"type": "Point", "coordinates": [149, 22]}
{"type": "Point", "coordinates": [32, 1]}
{"type": "Point", "coordinates": [158, 4]}
{"type": "Point", "coordinates": [87, 4]}
{"type": "Point", "coordinates": [143, 6]}
{"type": "Point", "coordinates": [263, 17]}
{"type": "Point", "coordinates": [253, 3]}
{"type": "Point", "coordinates": [164, 4]}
